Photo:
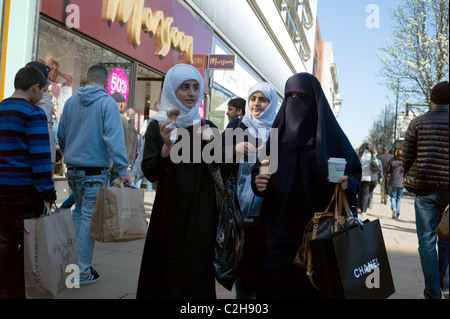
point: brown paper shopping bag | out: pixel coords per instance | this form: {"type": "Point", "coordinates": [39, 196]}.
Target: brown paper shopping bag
{"type": "Point", "coordinates": [119, 215]}
{"type": "Point", "coordinates": [49, 247]}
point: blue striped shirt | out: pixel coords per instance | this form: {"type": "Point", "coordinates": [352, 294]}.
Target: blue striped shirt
{"type": "Point", "coordinates": [25, 157]}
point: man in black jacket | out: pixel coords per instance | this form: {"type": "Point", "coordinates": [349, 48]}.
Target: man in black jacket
{"type": "Point", "coordinates": [426, 171]}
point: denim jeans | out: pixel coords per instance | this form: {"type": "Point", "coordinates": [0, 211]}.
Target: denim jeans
{"type": "Point", "coordinates": [396, 197]}
{"type": "Point", "coordinates": [148, 184]}
{"type": "Point", "coordinates": [428, 208]}
{"type": "Point", "coordinates": [85, 190]}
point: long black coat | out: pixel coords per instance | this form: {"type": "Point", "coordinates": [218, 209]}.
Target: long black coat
{"type": "Point", "coordinates": [299, 187]}
{"type": "Point", "coordinates": [177, 261]}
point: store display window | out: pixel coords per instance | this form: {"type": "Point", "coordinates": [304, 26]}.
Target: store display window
{"type": "Point", "coordinates": [70, 56]}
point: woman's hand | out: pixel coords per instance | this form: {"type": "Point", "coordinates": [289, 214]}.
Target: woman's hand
{"type": "Point", "coordinates": [205, 133]}
{"type": "Point", "coordinates": [245, 148]}
{"type": "Point", "coordinates": [261, 182]}
{"type": "Point", "coordinates": [343, 180]}
{"type": "Point", "coordinates": [165, 134]}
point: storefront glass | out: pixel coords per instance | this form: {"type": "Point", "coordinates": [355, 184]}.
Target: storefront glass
{"type": "Point", "coordinates": [70, 56]}
{"type": "Point", "coordinates": [219, 107]}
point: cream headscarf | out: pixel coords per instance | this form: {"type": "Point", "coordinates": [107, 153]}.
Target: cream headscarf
{"type": "Point", "coordinates": [174, 78]}
{"type": "Point", "coordinates": [264, 121]}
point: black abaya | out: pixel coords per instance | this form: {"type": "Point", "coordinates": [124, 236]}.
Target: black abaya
{"type": "Point", "coordinates": [178, 256]}
{"type": "Point", "coordinates": [308, 135]}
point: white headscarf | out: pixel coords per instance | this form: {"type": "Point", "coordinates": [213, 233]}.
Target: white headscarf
{"type": "Point", "coordinates": [264, 121]}
{"type": "Point", "coordinates": [174, 78]}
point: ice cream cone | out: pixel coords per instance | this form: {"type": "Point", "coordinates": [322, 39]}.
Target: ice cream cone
{"type": "Point", "coordinates": [265, 167]}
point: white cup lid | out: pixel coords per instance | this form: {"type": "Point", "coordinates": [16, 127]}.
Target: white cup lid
{"type": "Point", "coordinates": [337, 160]}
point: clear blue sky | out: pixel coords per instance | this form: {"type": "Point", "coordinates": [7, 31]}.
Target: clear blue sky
{"type": "Point", "coordinates": [343, 22]}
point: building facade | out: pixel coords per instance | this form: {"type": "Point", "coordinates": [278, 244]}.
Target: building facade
{"type": "Point", "coordinates": [326, 72]}
{"type": "Point", "coordinates": [140, 40]}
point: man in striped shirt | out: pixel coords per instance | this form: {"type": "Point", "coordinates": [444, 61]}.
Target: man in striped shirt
{"type": "Point", "coordinates": [25, 173]}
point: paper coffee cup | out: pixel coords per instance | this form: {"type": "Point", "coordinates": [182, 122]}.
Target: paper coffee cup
{"type": "Point", "coordinates": [265, 167]}
{"type": "Point", "coordinates": [336, 168]}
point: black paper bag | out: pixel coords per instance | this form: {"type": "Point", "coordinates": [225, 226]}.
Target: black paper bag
{"type": "Point", "coordinates": [353, 263]}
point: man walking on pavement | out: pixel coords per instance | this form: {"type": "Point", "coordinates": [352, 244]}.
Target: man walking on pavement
{"type": "Point", "coordinates": [90, 135]}
{"type": "Point", "coordinates": [425, 167]}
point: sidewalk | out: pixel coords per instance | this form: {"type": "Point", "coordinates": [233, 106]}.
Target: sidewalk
{"type": "Point", "coordinates": [118, 263]}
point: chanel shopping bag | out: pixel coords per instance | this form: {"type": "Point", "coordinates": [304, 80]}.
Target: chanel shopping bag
{"type": "Point", "coordinates": [49, 247]}
{"type": "Point", "coordinates": [353, 263]}
{"type": "Point", "coordinates": [119, 215]}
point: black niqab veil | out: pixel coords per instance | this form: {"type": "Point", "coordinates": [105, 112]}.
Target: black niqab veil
{"type": "Point", "coordinates": [308, 121]}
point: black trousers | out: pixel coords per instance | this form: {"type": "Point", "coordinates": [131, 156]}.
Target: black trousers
{"type": "Point", "coordinates": [16, 204]}
{"type": "Point", "coordinates": [363, 196]}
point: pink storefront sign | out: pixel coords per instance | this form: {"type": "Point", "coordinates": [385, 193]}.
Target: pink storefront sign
{"type": "Point", "coordinates": [118, 82]}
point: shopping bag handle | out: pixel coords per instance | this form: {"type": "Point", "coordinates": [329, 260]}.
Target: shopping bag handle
{"type": "Point", "coordinates": [118, 183]}
{"type": "Point", "coordinates": [48, 208]}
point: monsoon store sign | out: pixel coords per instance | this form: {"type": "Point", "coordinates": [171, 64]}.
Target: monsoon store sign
{"type": "Point", "coordinates": [138, 18]}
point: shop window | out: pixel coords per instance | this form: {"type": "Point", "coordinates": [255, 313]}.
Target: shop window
{"type": "Point", "coordinates": [219, 107]}
{"type": "Point", "coordinates": [70, 56]}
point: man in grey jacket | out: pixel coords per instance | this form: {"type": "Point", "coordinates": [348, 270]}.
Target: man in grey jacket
{"type": "Point", "coordinates": [90, 135]}
{"type": "Point", "coordinates": [426, 172]}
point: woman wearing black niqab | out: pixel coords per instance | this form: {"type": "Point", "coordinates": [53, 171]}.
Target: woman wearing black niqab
{"type": "Point", "coordinates": [308, 135]}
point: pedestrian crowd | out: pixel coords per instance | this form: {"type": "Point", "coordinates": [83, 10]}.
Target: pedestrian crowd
{"type": "Point", "coordinates": [97, 138]}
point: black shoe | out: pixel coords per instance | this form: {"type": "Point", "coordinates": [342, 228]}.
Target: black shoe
{"type": "Point", "coordinates": [92, 278]}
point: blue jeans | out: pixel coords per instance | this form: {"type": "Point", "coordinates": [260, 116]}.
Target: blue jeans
{"type": "Point", "coordinates": [148, 184]}
{"type": "Point", "coordinates": [428, 208]}
{"type": "Point", "coordinates": [85, 190]}
{"type": "Point", "coordinates": [396, 197]}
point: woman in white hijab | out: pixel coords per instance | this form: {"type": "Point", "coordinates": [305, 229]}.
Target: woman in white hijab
{"type": "Point", "coordinates": [261, 110]}
{"type": "Point", "coordinates": [177, 261]}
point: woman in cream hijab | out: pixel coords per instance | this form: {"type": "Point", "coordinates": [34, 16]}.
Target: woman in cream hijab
{"type": "Point", "coordinates": [261, 108]}
{"type": "Point", "coordinates": [178, 256]}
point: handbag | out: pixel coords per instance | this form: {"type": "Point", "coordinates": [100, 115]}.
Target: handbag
{"type": "Point", "coordinates": [49, 247]}
{"type": "Point", "coordinates": [119, 214]}
{"type": "Point", "coordinates": [229, 241]}
{"type": "Point", "coordinates": [322, 223]}
{"type": "Point", "coordinates": [442, 229]}
{"type": "Point", "coordinates": [374, 165]}
{"type": "Point", "coordinates": [353, 263]}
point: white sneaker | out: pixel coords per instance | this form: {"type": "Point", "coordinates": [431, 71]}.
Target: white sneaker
{"type": "Point", "coordinates": [394, 213]}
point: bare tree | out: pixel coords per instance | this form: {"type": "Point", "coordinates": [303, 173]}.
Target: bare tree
{"type": "Point", "coordinates": [382, 131]}
{"type": "Point", "coordinates": [417, 56]}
